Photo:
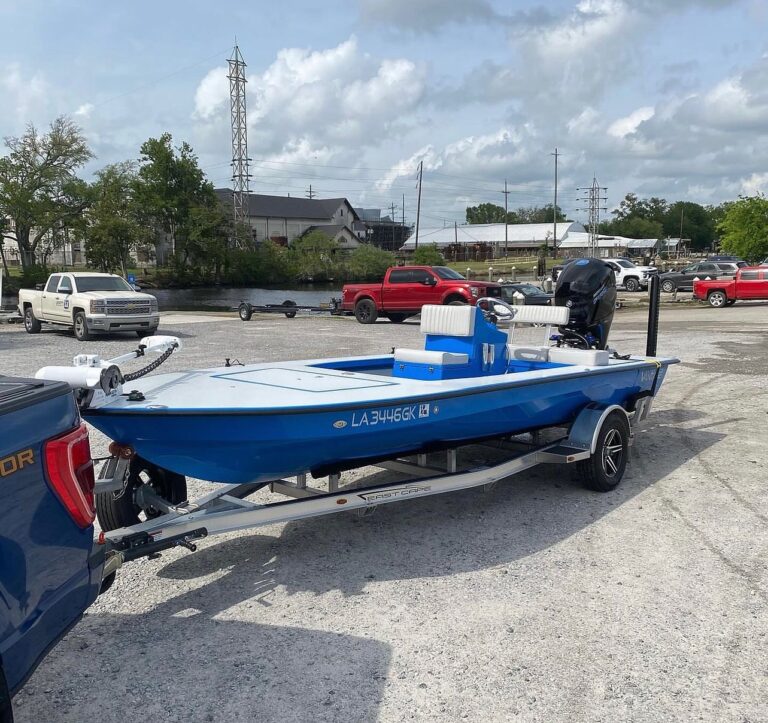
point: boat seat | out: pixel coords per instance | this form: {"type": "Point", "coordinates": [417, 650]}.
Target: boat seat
{"type": "Point", "coordinates": [582, 357]}
{"type": "Point", "coordinates": [549, 315]}
{"type": "Point", "coordinates": [528, 353]}
{"type": "Point", "coordinates": [448, 320]}
{"type": "Point", "coordinates": [422, 356]}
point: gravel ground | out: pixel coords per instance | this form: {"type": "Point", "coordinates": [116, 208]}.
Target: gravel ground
{"type": "Point", "coordinates": [536, 601]}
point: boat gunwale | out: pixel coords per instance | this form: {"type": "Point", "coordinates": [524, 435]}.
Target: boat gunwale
{"type": "Point", "coordinates": [106, 411]}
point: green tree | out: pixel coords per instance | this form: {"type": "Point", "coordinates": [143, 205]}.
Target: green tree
{"type": "Point", "coordinates": [744, 228]}
{"type": "Point", "coordinates": [652, 209]}
{"type": "Point", "coordinates": [697, 224]}
{"type": "Point", "coordinates": [633, 227]}
{"type": "Point", "coordinates": [537, 214]}
{"type": "Point", "coordinates": [113, 230]}
{"type": "Point", "coordinates": [39, 191]}
{"type": "Point", "coordinates": [369, 262]}
{"type": "Point", "coordinates": [428, 255]}
{"type": "Point", "coordinates": [313, 257]}
{"type": "Point", "coordinates": [485, 213]}
{"type": "Point", "coordinates": [176, 198]}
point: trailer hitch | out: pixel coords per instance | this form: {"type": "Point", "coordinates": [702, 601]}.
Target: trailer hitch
{"type": "Point", "coordinates": [142, 544]}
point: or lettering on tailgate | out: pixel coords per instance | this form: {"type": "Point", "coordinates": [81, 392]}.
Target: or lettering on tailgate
{"type": "Point", "coordinates": [15, 462]}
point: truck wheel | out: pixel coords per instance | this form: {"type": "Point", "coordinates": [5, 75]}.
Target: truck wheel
{"type": "Point", "coordinates": [730, 302]}
{"type": "Point", "coordinates": [245, 311]}
{"type": "Point", "coordinates": [81, 328]}
{"type": "Point", "coordinates": [668, 286]}
{"type": "Point", "coordinates": [31, 324]}
{"type": "Point", "coordinates": [717, 299]}
{"type": "Point", "coordinates": [603, 471]}
{"type": "Point", "coordinates": [141, 333]}
{"type": "Point", "coordinates": [119, 509]}
{"type": "Point", "coordinates": [632, 285]}
{"type": "Point", "coordinates": [366, 311]}
{"type": "Point", "coordinates": [455, 301]}
{"type": "Point", "coordinates": [396, 318]}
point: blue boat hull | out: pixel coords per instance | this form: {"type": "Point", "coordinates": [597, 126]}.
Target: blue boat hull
{"type": "Point", "coordinates": [247, 445]}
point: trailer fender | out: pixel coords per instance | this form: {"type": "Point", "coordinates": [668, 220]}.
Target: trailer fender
{"type": "Point", "coordinates": [586, 427]}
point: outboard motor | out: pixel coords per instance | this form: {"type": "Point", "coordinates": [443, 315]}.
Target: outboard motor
{"type": "Point", "coordinates": [588, 288]}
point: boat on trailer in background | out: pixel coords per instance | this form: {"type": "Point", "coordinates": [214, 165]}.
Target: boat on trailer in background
{"type": "Point", "coordinates": [275, 425]}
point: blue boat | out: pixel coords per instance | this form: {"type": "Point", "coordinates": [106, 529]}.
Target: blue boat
{"type": "Point", "coordinates": [263, 422]}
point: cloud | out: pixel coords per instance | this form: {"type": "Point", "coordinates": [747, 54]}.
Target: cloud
{"type": "Point", "coordinates": [21, 95]}
{"type": "Point", "coordinates": [307, 101]}
{"type": "Point", "coordinates": [84, 111]}
{"type": "Point", "coordinates": [624, 126]}
{"type": "Point", "coordinates": [425, 15]}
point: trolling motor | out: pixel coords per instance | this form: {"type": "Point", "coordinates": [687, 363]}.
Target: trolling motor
{"type": "Point", "coordinates": [588, 288]}
{"type": "Point", "coordinates": [95, 381]}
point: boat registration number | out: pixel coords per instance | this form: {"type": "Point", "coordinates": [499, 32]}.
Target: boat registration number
{"type": "Point", "coordinates": [389, 415]}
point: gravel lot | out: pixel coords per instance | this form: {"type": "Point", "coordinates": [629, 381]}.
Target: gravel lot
{"type": "Point", "coordinates": [537, 601]}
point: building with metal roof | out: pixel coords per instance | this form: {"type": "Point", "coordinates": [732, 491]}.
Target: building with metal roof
{"type": "Point", "coordinates": [577, 244]}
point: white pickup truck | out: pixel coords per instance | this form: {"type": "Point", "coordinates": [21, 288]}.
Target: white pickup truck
{"type": "Point", "coordinates": [87, 303]}
{"type": "Point", "coordinates": [631, 277]}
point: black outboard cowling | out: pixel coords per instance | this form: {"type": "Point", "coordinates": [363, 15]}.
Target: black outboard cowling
{"type": "Point", "coordinates": [588, 288]}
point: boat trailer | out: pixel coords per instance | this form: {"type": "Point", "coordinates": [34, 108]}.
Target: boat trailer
{"type": "Point", "coordinates": [597, 444]}
{"type": "Point", "coordinates": [290, 308]}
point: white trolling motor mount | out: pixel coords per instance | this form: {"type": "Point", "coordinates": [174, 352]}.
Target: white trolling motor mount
{"type": "Point", "coordinates": [96, 381]}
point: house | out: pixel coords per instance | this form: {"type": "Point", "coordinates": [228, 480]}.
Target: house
{"type": "Point", "coordinates": [493, 240]}
{"type": "Point", "coordinates": [577, 244]}
{"type": "Point", "coordinates": [285, 218]}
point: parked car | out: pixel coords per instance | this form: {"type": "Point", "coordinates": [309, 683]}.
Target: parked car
{"type": "Point", "coordinates": [683, 280]}
{"type": "Point", "coordinates": [529, 294]}
{"type": "Point", "coordinates": [50, 568]}
{"type": "Point", "coordinates": [721, 257]}
{"type": "Point", "coordinates": [87, 303]}
{"type": "Point", "coordinates": [406, 289]}
{"type": "Point", "coordinates": [630, 276]}
{"type": "Point", "coordinates": [749, 283]}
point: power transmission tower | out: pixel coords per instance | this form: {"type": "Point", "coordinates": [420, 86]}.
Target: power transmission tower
{"type": "Point", "coordinates": [594, 196]}
{"type": "Point", "coordinates": [506, 218]}
{"type": "Point", "coordinates": [240, 175]}
{"type": "Point", "coordinates": [310, 194]}
{"type": "Point", "coordinates": [554, 209]}
{"type": "Point", "coordinates": [418, 205]}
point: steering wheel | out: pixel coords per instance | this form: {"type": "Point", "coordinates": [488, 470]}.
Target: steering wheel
{"type": "Point", "coordinates": [488, 303]}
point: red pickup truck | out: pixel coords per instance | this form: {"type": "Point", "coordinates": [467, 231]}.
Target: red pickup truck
{"type": "Point", "coordinates": [406, 289]}
{"type": "Point", "coordinates": [749, 283]}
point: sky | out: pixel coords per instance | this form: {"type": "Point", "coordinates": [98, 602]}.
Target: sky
{"type": "Point", "coordinates": [661, 98]}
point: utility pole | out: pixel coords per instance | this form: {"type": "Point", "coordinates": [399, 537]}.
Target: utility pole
{"type": "Point", "coordinates": [594, 196]}
{"type": "Point", "coordinates": [392, 218]}
{"type": "Point", "coordinates": [310, 194]}
{"type": "Point", "coordinates": [506, 219]}
{"type": "Point", "coordinates": [240, 174]}
{"type": "Point", "coordinates": [418, 205]}
{"type": "Point", "coordinates": [554, 208]}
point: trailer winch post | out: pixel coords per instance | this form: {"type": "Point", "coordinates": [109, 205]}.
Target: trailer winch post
{"type": "Point", "coordinates": [654, 297]}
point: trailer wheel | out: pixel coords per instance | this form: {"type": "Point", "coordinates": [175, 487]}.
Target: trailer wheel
{"type": "Point", "coordinates": [396, 318]}
{"type": "Point", "coordinates": [366, 311]}
{"type": "Point", "coordinates": [717, 299]}
{"type": "Point", "coordinates": [245, 311]}
{"type": "Point", "coordinates": [603, 471]}
{"type": "Point", "coordinates": [32, 324]}
{"type": "Point", "coordinates": [119, 509]}
{"type": "Point", "coordinates": [289, 314]}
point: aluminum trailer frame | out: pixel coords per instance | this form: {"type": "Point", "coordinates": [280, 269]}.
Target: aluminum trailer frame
{"type": "Point", "coordinates": [227, 510]}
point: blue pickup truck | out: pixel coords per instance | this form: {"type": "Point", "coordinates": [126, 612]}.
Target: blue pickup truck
{"type": "Point", "coordinates": [50, 568]}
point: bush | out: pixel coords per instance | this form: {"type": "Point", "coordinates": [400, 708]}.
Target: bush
{"type": "Point", "coordinates": [427, 256]}
{"type": "Point", "coordinates": [369, 263]}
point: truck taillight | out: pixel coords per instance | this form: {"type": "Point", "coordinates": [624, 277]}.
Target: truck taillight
{"type": "Point", "coordinates": [70, 469]}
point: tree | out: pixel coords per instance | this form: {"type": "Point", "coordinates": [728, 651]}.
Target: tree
{"type": "Point", "coordinates": [537, 214]}
{"type": "Point", "coordinates": [652, 209]}
{"type": "Point", "coordinates": [428, 255]}
{"type": "Point", "coordinates": [313, 256]}
{"type": "Point", "coordinates": [744, 228]}
{"type": "Point", "coordinates": [173, 193]}
{"type": "Point", "coordinates": [633, 227]}
{"type": "Point", "coordinates": [697, 224]}
{"type": "Point", "coordinates": [485, 213]}
{"type": "Point", "coordinates": [39, 191]}
{"type": "Point", "coordinates": [113, 231]}
{"type": "Point", "coordinates": [369, 262]}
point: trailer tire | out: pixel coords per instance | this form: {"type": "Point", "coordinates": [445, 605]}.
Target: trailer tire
{"type": "Point", "coordinates": [32, 324]}
{"type": "Point", "coordinates": [289, 314]}
{"type": "Point", "coordinates": [396, 318]}
{"type": "Point", "coordinates": [366, 311]}
{"type": "Point", "coordinates": [119, 509]}
{"type": "Point", "coordinates": [632, 285]}
{"type": "Point", "coordinates": [80, 327]}
{"type": "Point", "coordinates": [667, 286]}
{"type": "Point", "coordinates": [603, 471]}
{"type": "Point", "coordinates": [245, 311]}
